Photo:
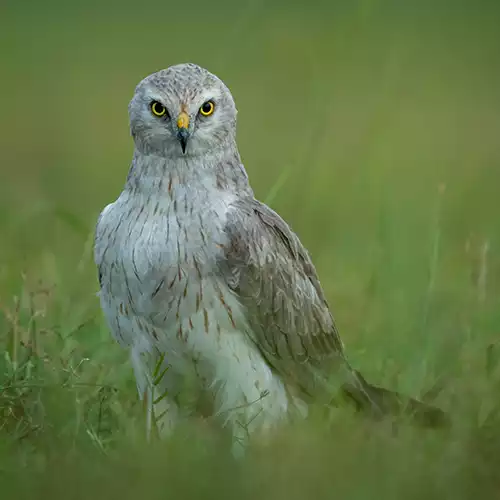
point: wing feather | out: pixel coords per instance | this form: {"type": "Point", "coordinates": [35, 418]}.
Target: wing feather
{"type": "Point", "coordinates": [274, 278]}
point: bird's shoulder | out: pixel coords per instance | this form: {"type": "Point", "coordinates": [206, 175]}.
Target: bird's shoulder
{"type": "Point", "coordinates": [259, 236]}
{"type": "Point", "coordinates": [103, 223]}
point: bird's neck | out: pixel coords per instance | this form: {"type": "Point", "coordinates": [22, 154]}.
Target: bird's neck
{"type": "Point", "coordinates": [150, 174]}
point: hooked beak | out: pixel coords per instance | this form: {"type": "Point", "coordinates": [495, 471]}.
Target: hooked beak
{"type": "Point", "coordinates": [183, 130]}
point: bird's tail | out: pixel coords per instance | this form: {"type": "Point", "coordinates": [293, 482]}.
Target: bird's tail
{"type": "Point", "coordinates": [378, 401]}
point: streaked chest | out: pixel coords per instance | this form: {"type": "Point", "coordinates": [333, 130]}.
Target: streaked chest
{"type": "Point", "coordinates": [159, 253]}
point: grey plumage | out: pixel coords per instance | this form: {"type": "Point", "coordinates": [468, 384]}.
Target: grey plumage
{"type": "Point", "coordinates": [198, 276]}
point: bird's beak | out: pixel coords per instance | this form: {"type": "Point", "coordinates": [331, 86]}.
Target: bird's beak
{"type": "Point", "coordinates": [183, 130]}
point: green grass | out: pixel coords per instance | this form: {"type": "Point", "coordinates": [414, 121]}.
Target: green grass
{"type": "Point", "coordinates": [372, 127]}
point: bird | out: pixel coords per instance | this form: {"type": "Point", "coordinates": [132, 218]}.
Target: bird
{"type": "Point", "coordinates": [203, 283]}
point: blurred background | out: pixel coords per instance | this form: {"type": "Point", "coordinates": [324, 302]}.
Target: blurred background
{"type": "Point", "coordinates": [371, 126]}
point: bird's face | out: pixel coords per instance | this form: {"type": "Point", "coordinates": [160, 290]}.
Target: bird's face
{"type": "Point", "coordinates": [182, 111]}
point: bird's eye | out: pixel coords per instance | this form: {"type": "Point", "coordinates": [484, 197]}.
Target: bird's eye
{"type": "Point", "coordinates": [158, 109]}
{"type": "Point", "coordinates": [207, 108]}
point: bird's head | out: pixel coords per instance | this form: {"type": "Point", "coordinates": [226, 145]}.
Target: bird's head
{"type": "Point", "coordinates": [182, 111]}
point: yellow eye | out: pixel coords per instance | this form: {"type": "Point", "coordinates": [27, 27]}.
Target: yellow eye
{"type": "Point", "coordinates": [207, 108]}
{"type": "Point", "coordinates": [158, 109]}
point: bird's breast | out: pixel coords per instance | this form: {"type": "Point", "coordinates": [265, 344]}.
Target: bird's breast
{"type": "Point", "coordinates": [160, 257]}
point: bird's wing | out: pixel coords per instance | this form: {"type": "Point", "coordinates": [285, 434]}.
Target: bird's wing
{"type": "Point", "coordinates": [274, 279]}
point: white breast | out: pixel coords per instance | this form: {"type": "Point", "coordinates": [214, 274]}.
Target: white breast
{"type": "Point", "coordinates": [157, 257]}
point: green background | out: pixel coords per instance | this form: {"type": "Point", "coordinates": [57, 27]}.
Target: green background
{"type": "Point", "coordinates": [372, 127]}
